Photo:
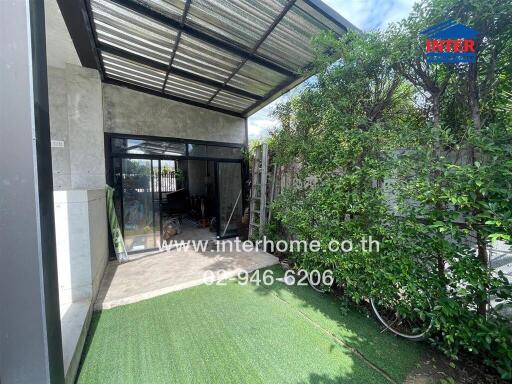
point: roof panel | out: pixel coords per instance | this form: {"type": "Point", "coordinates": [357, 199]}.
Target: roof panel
{"type": "Point", "coordinates": [290, 42]}
{"type": "Point", "coordinates": [124, 29]}
{"type": "Point", "coordinates": [198, 57]}
{"type": "Point", "coordinates": [246, 83]}
{"type": "Point", "coordinates": [231, 55]}
{"type": "Point", "coordinates": [126, 70]}
{"type": "Point", "coordinates": [231, 101]}
{"type": "Point", "coordinates": [186, 94]}
{"type": "Point", "coordinates": [256, 79]}
{"type": "Point", "coordinates": [241, 21]}
{"type": "Point", "coordinates": [171, 8]}
{"type": "Point", "coordinates": [179, 86]}
{"type": "Point", "coordinates": [326, 22]}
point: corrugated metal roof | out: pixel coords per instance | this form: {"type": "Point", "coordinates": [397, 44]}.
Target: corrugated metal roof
{"type": "Point", "coordinates": [233, 56]}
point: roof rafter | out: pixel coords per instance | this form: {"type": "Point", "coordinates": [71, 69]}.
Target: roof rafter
{"type": "Point", "coordinates": [176, 43]}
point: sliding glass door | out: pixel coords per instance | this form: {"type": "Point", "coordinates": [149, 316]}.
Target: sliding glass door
{"type": "Point", "coordinates": [140, 213]}
{"type": "Point", "coordinates": [229, 198]}
{"type": "Point", "coordinates": [158, 181]}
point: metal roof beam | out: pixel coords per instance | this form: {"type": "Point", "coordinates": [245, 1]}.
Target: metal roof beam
{"type": "Point", "coordinates": [77, 22]}
{"type": "Point", "coordinates": [176, 43]}
{"type": "Point", "coordinates": [232, 48]}
{"type": "Point", "coordinates": [179, 72]}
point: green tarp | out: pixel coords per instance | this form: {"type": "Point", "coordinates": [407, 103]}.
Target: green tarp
{"type": "Point", "coordinates": [115, 230]}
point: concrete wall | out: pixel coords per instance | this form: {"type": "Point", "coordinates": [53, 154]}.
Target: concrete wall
{"type": "Point", "coordinates": [132, 112]}
{"type": "Point", "coordinates": [98, 235]}
{"type": "Point", "coordinates": [75, 106]}
{"type": "Point", "coordinates": [76, 119]}
{"type": "Point", "coordinates": [59, 46]}
{"type": "Point", "coordinates": [81, 233]}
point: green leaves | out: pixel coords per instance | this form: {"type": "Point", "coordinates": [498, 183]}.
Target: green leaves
{"type": "Point", "coordinates": [382, 144]}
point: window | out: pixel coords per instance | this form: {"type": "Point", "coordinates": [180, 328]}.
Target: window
{"type": "Point", "coordinates": [147, 147]}
{"type": "Point", "coordinates": [132, 146]}
{"type": "Point", "coordinates": [214, 151]}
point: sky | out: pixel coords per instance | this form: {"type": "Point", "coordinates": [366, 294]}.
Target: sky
{"type": "Point", "coordinates": [364, 14]}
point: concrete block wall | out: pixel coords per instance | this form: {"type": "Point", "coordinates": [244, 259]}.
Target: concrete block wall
{"type": "Point", "coordinates": [131, 112]}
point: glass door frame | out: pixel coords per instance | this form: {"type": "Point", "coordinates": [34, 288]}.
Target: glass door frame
{"type": "Point", "coordinates": [110, 158]}
{"type": "Point", "coordinates": [216, 164]}
{"type": "Point", "coordinates": [159, 237]}
{"type": "Point", "coordinates": [151, 158]}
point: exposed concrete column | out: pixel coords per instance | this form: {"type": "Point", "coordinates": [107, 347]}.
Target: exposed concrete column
{"type": "Point", "coordinates": [76, 116]}
{"type": "Point", "coordinates": [30, 337]}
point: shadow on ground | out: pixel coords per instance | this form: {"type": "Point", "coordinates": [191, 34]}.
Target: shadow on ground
{"type": "Point", "coordinates": [232, 333]}
{"type": "Point", "coordinates": [351, 326]}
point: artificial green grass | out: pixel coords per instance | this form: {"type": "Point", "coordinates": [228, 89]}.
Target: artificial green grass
{"type": "Point", "coordinates": [241, 334]}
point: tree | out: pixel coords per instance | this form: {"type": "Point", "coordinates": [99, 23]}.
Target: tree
{"type": "Point", "coordinates": [462, 130]}
{"type": "Point", "coordinates": [439, 138]}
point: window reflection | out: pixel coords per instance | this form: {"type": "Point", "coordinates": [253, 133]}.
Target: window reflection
{"type": "Point", "coordinates": [175, 149]}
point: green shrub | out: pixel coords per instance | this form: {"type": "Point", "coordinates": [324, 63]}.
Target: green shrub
{"type": "Point", "coordinates": [412, 156]}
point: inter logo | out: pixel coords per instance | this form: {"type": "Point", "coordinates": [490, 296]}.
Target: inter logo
{"type": "Point", "coordinates": [450, 42]}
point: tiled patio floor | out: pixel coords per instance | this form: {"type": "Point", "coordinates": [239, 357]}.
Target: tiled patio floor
{"type": "Point", "coordinates": [170, 271]}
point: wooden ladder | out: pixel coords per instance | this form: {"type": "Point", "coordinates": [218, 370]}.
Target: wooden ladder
{"type": "Point", "coordinates": [261, 195]}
